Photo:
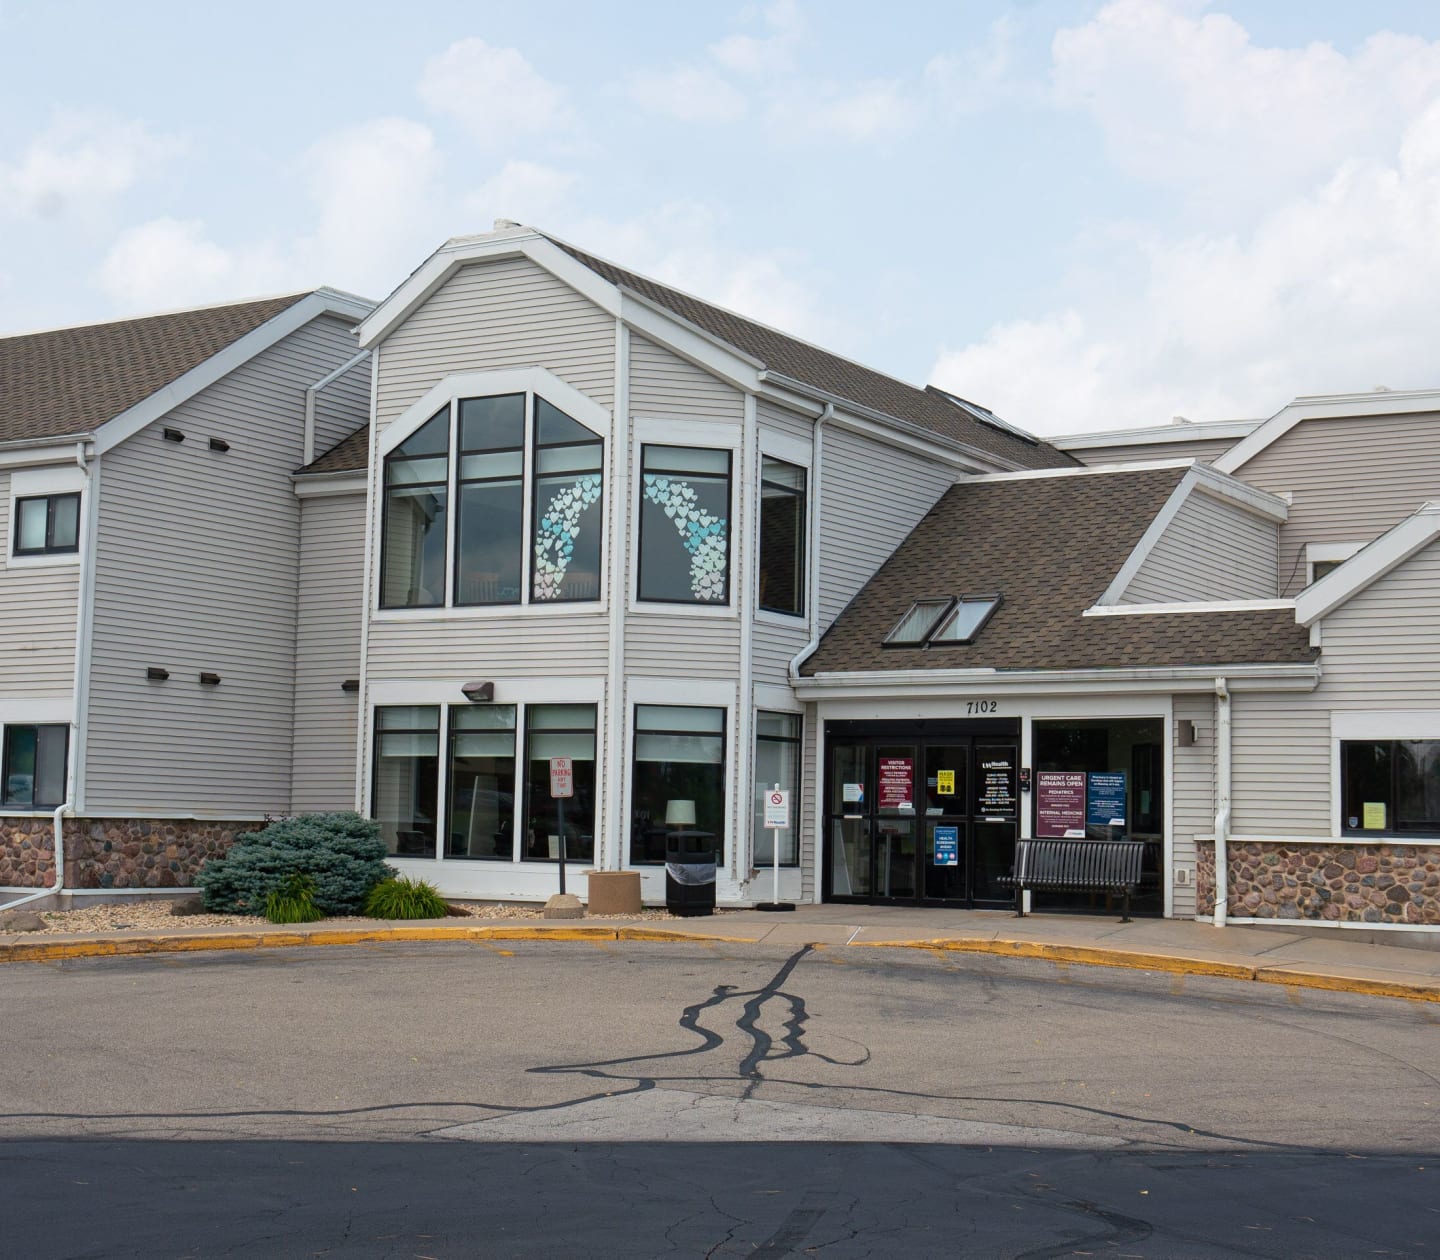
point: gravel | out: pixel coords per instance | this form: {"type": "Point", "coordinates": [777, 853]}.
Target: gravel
{"type": "Point", "coordinates": [155, 916]}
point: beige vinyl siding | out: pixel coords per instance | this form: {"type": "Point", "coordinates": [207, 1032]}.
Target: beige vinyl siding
{"type": "Point", "coordinates": [772, 648]}
{"type": "Point", "coordinates": [774, 643]}
{"type": "Point", "coordinates": [38, 610]}
{"type": "Point", "coordinates": [327, 652]}
{"type": "Point", "coordinates": [196, 570]}
{"type": "Point", "coordinates": [776, 419]}
{"type": "Point", "coordinates": [1206, 449]}
{"type": "Point", "coordinates": [663, 384]}
{"type": "Point", "coordinates": [1350, 480]}
{"type": "Point", "coordinates": [487, 647]}
{"type": "Point", "coordinates": [1280, 767]}
{"type": "Point", "coordinates": [1212, 549]}
{"type": "Point", "coordinates": [342, 407]}
{"type": "Point", "coordinates": [509, 313]}
{"type": "Point", "coordinates": [1192, 792]}
{"type": "Point", "coordinates": [873, 495]}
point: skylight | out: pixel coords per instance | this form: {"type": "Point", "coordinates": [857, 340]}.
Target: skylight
{"type": "Point", "coordinates": [986, 416]}
{"type": "Point", "coordinates": [943, 621]}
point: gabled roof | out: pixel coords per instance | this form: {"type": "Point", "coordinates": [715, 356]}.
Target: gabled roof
{"type": "Point", "coordinates": [1369, 564]}
{"type": "Point", "coordinates": [1048, 545]}
{"type": "Point", "coordinates": [70, 381]}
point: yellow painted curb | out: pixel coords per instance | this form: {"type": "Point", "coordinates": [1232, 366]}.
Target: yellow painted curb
{"type": "Point", "coordinates": [1349, 984]}
{"type": "Point", "coordinates": [1088, 954]}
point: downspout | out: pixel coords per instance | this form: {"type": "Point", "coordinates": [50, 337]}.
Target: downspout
{"type": "Point", "coordinates": [82, 629]}
{"type": "Point", "coordinates": [1222, 801]}
{"type": "Point", "coordinates": [310, 392]}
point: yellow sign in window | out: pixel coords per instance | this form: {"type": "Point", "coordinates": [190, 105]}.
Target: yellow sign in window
{"type": "Point", "coordinates": [1372, 816]}
{"type": "Point", "coordinates": [945, 783]}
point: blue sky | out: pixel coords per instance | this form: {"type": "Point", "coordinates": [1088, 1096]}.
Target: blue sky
{"type": "Point", "coordinates": [1084, 215]}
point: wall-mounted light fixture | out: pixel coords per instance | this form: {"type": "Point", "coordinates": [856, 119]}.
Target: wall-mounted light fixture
{"type": "Point", "coordinates": [479, 692]}
{"type": "Point", "coordinates": [1185, 733]}
{"type": "Point", "coordinates": [172, 435]}
{"type": "Point", "coordinates": [350, 684]}
{"type": "Point", "coordinates": [155, 674]}
{"type": "Point", "coordinates": [209, 680]}
{"type": "Point", "coordinates": [219, 444]}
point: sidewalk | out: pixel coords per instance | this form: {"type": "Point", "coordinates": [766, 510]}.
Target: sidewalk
{"type": "Point", "coordinates": [1169, 945]}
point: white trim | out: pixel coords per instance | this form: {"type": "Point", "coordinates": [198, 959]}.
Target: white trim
{"type": "Point", "coordinates": [1329, 553]}
{"type": "Point", "coordinates": [1147, 543]}
{"type": "Point", "coordinates": [612, 829]}
{"type": "Point", "coordinates": [1179, 431]}
{"type": "Point", "coordinates": [775, 698]}
{"type": "Point", "coordinates": [1198, 606]}
{"type": "Point", "coordinates": [164, 400]}
{"type": "Point", "coordinates": [689, 341]}
{"type": "Point", "coordinates": [42, 482]}
{"type": "Point", "coordinates": [578, 689]}
{"type": "Point", "coordinates": [1368, 565]}
{"type": "Point", "coordinates": [53, 451]}
{"type": "Point", "coordinates": [1343, 924]}
{"type": "Point", "coordinates": [1327, 407]}
{"type": "Point", "coordinates": [1261, 503]}
{"type": "Point", "coordinates": [328, 485]}
{"type": "Point", "coordinates": [1349, 842]}
{"type": "Point", "coordinates": [531, 380]}
{"type": "Point", "coordinates": [747, 556]}
{"type": "Point", "coordinates": [39, 711]}
{"type": "Point", "coordinates": [787, 449]}
{"type": "Point", "coordinates": [368, 600]}
{"type": "Point", "coordinates": [1385, 724]}
{"type": "Point", "coordinates": [1080, 470]}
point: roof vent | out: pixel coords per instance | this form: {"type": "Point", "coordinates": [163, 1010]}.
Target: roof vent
{"type": "Point", "coordinates": [504, 225]}
{"type": "Point", "coordinates": [983, 414]}
{"type": "Point", "coordinates": [219, 444]}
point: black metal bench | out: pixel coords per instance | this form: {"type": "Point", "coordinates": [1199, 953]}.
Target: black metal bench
{"type": "Point", "coordinates": [1110, 866]}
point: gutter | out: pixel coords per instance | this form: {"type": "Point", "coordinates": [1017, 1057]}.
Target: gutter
{"type": "Point", "coordinates": [1222, 801]}
{"type": "Point", "coordinates": [328, 379]}
{"type": "Point", "coordinates": [812, 560]}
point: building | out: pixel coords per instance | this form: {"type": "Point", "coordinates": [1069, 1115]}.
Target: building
{"type": "Point", "coordinates": [589, 515]}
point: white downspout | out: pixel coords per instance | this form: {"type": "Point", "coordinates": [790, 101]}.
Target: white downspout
{"type": "Point", "coordinates": [1222, 801]}
{"type": "Point", "coordinates": [312, 390]}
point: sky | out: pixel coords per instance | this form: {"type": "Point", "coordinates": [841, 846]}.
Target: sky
{"type": "Point", "coordinates": [1082, 215]}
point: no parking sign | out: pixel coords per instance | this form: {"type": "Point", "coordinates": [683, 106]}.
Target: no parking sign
{"type": "Point", "coordinates": [777, 809]}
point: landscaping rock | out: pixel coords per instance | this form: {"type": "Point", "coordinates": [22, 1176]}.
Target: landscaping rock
{"type": "Point", "coordinates": [564, 906]}
{"type": "Point", "coordinates": [21, 921]}
{"type": "Point", "coordinates": [188, 905]}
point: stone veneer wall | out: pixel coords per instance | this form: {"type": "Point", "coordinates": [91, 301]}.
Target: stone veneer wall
{"type": "Point", "coordinates": [113, 852]}
{"type": "Point", "coordinates": [1359, 883]}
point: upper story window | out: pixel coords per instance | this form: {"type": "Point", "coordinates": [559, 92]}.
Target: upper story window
{"type": "Point", "coordinates": [47, 525]}
{"type": "Point", "coordinates": [684, 525]}
{"type": "Point", "coordinates": [782, 537]}
{"type": "Point", "coordinates": [527, 482]}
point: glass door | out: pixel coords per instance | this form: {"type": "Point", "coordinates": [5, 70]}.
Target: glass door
{"type": "Point", "coordinates": [947, 822]}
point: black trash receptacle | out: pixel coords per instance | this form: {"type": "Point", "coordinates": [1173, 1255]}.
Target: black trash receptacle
{"type": "Point", "coordinates": [690, 872]}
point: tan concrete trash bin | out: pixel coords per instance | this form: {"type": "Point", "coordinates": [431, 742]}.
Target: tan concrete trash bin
{"type": "Point", "coordinates": [613, 892]}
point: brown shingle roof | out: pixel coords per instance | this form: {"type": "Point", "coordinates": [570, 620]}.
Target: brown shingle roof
{"type": "Point", "coordinates": [72, 380]}
{"type": "Point", "coordinates": [1049, 546]}
{"type": "Point", "coordinates": [820, 369]}
{"type": "Point", "coordinates": [350, 454]}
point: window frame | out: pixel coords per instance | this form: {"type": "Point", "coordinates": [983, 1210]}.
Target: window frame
{"type": "Point", "coordinates": [534, 448]}
{"type": "Point", "coordinates": [803, 542]}
{"type": "Point", "coordinates": [458, 452]}
{"type": "Point", "coordinates": [723, 735]}
{"type": "Point", "coordinates": [796, 793]}
{"type": "Point", "coordinates": [48, 548]}
{"type": "Point", "coordinates": [7, 733]}
{"type": "Point", "coordinates": [386, 542]}
{"type": "Point", "coordinates": [526, 785]}
{"type": "Point", "coordinates": [698, 442]}
{"type": "Point", "coordinates": [1427, 828]}
{"type": "Point", "coordinates": [442, 779]}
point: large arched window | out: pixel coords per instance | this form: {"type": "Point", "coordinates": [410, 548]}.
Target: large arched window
{"type": "Point", "coordinates": [527, 481]}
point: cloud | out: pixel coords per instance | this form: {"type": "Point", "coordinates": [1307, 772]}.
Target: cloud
{"type": "Point", "coordinates": [692, 94]}
{"type": "Point", "coordinates": [523, 191]}
{"type": "Point", "coordinates": [1329, 291]}
{"type": "Point", "coordinates": [172, 262]}
{"type": "Point", "coordinates": [876, 110]}
{"type": "Point", "coordinates": [979, 77]}
{"type": "Point", "coordinates": [79, 164]}
{"type": "Point", "coordinates": [494, 93]}
{"type": "Point", "coordinates": [767, 54]}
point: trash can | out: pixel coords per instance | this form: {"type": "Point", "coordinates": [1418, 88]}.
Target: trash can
{"type": "Point", "coordinates": [690, 872]}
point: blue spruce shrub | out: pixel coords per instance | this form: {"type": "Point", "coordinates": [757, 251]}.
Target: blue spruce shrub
{"type": "Point", "coordinates": [342, 854]}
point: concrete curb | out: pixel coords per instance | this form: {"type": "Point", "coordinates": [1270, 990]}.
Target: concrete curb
{"type": "Point", "coordinates": [1086, 955]}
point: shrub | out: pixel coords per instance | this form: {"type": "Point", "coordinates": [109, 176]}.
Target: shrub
{"type": "Point", "coordinates": [341, 853]}
{"type": "Point", "coordinates": [295, 903]}
{"type": "Point", "coordinates": [405, 898]}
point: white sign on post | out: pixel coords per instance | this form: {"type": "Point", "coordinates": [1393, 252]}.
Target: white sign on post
{"type": "Point", "coordinates": [562, 777]}
{"type": "Point", "coordinates": [777, 809]}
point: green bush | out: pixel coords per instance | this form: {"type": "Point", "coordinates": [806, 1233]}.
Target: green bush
{"type": "Point", "coordinates": [341, 853]}
{"type": "Point", "coordinates": [295, 903]}
{"type": "Point", "coordinates": [405, 898]}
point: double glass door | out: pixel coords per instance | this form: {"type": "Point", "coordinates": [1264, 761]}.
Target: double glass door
{"type": "Point", "coordinates": [924, 822]}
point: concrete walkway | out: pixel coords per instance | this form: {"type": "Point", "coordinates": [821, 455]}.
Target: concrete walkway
{"type": "Point", "coordinates": [1242, 953]}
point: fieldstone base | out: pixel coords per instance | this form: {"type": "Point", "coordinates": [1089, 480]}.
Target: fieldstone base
{"type": "Point", "coordinates": [113, 852]}
{"type": "Point", "coordinates": [1361, 883]}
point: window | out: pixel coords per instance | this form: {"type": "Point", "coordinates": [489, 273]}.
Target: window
{"type": "Point", "coordinates": [929, 622]}
{"type": "Point", "coordinates": [1390, 785]}
{"type": "Point", "coordinates": [782, 537]}
{"type": "Point", "coordinates": [1319, 568]}
{"type": "Point", "coordinates": [482, 782]}
{"type": "Point", "coordinates": [559, 730]}
{"type": "Point", "coordinates": [407, 777]}
{"type": "Point", "coordinates": [47, 525]}
{"type": "Point", "coordinates": [678, 781]}
{"type": "Point", "coordinates": [521, 468]}
{"type": "Point", "coordinates": [684, 525]}
{"type": "Point", "coordinates": [777, 761]}
{"type": "Point", "coordinates": [33, 773]}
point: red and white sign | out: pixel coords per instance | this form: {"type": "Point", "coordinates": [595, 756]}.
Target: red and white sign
{"type": "Point", "coordinates": [777, 809]}
{"type": "Point", "coordinates": [562, 776]}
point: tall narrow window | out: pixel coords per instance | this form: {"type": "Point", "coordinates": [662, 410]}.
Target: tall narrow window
{"type": "Point", "coordinates": [679, 778]}
{"type": "Point", "coordinates": [32, 775]}
{"type": "Point", "coordinates": [416, 488]}
{"type": "Point", "coordinates": [407, 777]}
{"type": "Point", "coordinates": [559, 730]}
{"type": "Point", "coordinates": [491, 489]}
{"type": "Point", "coordinates": [782, 537]}
{"type": "Point", "coordinates": [47, 525]}
{"type": "Point", "coordinates": [777, 761]}
{"type": "Point", "coordinates": [482, 782]}
{"type": "Point", "coordinates": [684, 525]}
{"type": "Point", "coordinates": [567, 515]}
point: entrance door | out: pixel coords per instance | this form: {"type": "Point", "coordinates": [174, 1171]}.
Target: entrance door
{"type": "Point", "coordinates": [925, 822]}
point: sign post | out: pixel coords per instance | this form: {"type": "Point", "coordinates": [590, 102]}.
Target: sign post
{"type": "Point", "coordinates": [777, 819]}
{"type": "Point", "coordinates": [562, 785]}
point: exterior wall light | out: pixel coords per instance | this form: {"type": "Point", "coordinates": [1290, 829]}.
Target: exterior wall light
{"type": "Point", "coordinates": [1185, 733]}
{"type": "Point", "coordinates": [350, 684]}
{"type": "Point", "coordinates": [479, 692]}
